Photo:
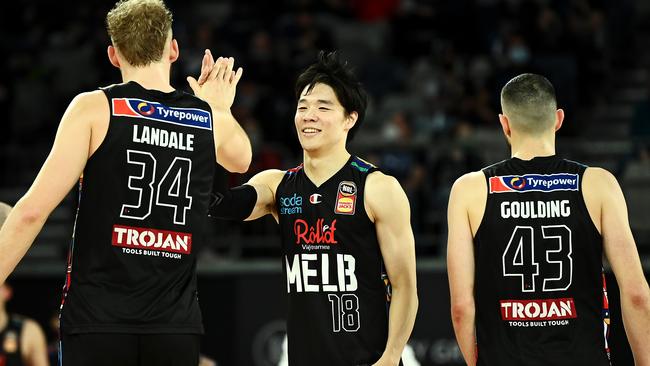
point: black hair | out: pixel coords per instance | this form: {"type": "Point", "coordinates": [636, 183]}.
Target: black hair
{"type": "Point", "coordinates": [332, 71]}
{"type": "Point", "coordinates": [531, 98]}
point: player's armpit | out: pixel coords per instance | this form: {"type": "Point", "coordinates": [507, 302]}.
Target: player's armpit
{"type": "Point", "coordinates": [387, 204]}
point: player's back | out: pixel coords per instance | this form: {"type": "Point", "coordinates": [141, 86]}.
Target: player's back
{"type": "Point", "coordinates": [142, 206]}
{"type": "Point", "coordinates": [540, 296]}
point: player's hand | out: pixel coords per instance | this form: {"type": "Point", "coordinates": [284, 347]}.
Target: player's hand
{"type": "Point", "coordinates": [206, 66]}
{"type": "Point", "coordinates": [220, 84]}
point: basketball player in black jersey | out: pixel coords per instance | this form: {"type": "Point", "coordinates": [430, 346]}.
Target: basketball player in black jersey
{"type": "Point", "coordinates": [22, 342]}
{"type": "Point", "coordinates": [345, 229]}
{"type": "Point", "coordinates": [526, 238]}
{"type": "Point", "coordinates": [147, 153]}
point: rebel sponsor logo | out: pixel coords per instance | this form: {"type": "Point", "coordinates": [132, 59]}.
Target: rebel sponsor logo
{"type": "Point", "coordinates": [346, 198]}
{"type": "Point", "coordinates": [537, 310]}
{"type": "Point", "coordinates": [315, 199]}
{"type": "Point", "coordinates": [291, 205]}
{"type": "Point", "coordinates": [316, 234]}
{"type": "Point", "coordinates": [151, 240]}
{"type": "Point", "coordinates": [534, 183]}
{"type": "Point", "coordinates": [138, 108]}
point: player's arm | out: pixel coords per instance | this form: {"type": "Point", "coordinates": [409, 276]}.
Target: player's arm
{"type": "Point", "coordinates": [57, 176]}
{"type": "Point", "coordinates": [250, 201]}
{"type": "Point", "coordinates": [34, 347]}
{"type": "Point", "coordinates": [217, 86]}
{"type": "Point", "coordinates": [388, 207]}
{"type": "Point", "coordinates": [600, 186]}
{"type": "Point", "coordinates": [460, 262]}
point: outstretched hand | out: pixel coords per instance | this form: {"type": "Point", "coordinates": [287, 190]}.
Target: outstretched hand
{"type": "Point", "coordinates": [217, 83]}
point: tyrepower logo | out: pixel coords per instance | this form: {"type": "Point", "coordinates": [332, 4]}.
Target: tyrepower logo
{"type": "Point", "coordinates": [545, 309]}
{"type": "Point", "coordinates": [534, 183]}
{"type": "Point", "coordinates": [317, 234]}
{"type": "Point", "coordinates": [138, 108]}
{"type": "Point", "coordinates": [151, 239]}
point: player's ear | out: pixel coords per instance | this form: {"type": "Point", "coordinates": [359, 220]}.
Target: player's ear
{"type": "Point", "coordinates": [174, 51]}
{"type": "Point", "coordinates": [505, 125]}
{"type": "Point", "coordinates": [112, 56]}
{"type": "Point", "coordinates": [559, 118]}
{"type": "Point", "coordinates": [350, 120]}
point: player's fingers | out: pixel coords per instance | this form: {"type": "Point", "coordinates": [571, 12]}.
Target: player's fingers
{"type": "Point", "coordinates": [194, 85]}
{"type": "Point", "coordinates": [206, 67]}
{"type": "Point", "coordinates": [230, 62]}
{"type": "Point", "coordinates": [216, 69]}
{"type": "Point", "coordinates": [237, 76]}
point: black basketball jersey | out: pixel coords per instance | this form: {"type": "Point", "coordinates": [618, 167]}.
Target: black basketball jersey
{"type": "Point", "coordinates": [337, 294]}
{"type": "Point", "coordinates": [10, 336]}
{"type": "Point", "coordinates": [539, 287]}
{"type": "Point", "coordinates": [143, 202]}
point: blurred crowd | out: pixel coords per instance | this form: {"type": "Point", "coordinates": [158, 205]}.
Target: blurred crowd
{"type": "Point", "coordinates": [433, 69]}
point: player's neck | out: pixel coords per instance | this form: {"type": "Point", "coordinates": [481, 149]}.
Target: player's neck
{"type": "Point", "coordinates": [529, 148]}
{"type": "Point", "coordinates": [320, 166]}
{"type": "Point", "coordinates": [154, 76]}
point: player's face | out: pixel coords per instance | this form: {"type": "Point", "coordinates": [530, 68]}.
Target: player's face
{"type": "Point", "coordinates": [320, 119]}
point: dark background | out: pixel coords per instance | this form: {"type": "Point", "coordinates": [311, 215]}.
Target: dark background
{"type": "Point", "coordinates": [433, 68]}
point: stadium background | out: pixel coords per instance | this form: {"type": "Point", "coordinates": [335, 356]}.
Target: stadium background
{"type": "Point", "coordinates": [433, 68]}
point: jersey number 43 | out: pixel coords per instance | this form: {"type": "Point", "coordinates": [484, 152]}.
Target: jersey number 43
{"type": "Point", "coordinates": [519, 258]}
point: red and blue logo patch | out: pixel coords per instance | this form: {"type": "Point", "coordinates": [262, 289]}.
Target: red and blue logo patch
{"type": "Point", "coordinates": [138, 108]}
{"type": "Point", "coordinates": [534, 183]}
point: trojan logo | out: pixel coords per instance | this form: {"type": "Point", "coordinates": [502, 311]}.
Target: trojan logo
{"type": "Point", "coordinates": [138, 108]}
{"type": "Point", "coordinates": [534, 183]}
{"type": "Point", "coordinates": [346, 198]}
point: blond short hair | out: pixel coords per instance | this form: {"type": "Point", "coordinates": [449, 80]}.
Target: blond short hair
{"type": "Point", "coordinates": [139, 29]}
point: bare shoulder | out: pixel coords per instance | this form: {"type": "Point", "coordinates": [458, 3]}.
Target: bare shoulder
{"type": "Point", "coordinates": [32, 331]}
{"type": "Point", "coordinates": [598, 178]}
{"type": "Point", "coordinates": [470, 187]}
{"type": "Point", "coordinates": [384, 197]}
{"type": "Point", "coordinates": [92, 101]}
{"type": "Point", "coordinates": [379, 183]}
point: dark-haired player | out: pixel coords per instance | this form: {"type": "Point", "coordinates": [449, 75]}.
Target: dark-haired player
{"type": "Point", "coordinates": [345, 229]}
{"type": "Point", "coordinates": [526, 239]}
{"type": "Point", "coordinates": [147, 153]}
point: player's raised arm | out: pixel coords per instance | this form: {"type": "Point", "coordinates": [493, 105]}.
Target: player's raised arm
{"type": "Point", "coordinates": [460, 261]}
{"type": "Point", "coordinates": [218, 88]}
{"type": "Point", "coordinates": [57, 176]}
{"type": "Point", "coordinates": [250, 201]}
{"type": "Point", "coordinates": [601, 187]}
{"type": "Point", "coordinates": [389, 208]}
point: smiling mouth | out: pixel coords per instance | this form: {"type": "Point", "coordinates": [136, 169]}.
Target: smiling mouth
{"type": "Point", "coordinates": [310, 131]}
